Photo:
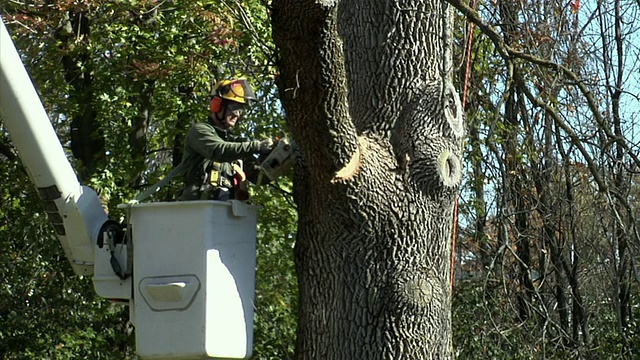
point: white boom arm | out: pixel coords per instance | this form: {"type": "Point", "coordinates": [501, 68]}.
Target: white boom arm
{"type": "Point", "coordinates": [74, 210]}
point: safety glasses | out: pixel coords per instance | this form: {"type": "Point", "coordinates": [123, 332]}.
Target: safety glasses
{"type": "Point", "coordinates": [235, 108]}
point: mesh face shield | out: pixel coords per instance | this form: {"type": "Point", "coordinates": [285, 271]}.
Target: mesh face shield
{"type": "Point", "coordinates": [237, 90]}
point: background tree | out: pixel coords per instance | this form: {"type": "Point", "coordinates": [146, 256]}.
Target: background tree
{"type": "Point", "coordinates": [557, 151]}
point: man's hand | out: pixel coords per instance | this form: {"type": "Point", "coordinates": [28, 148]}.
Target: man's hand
{"type": "Point", "coordinates": [266, 146]}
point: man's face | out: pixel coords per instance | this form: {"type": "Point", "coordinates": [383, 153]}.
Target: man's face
{"type": "Point", "coordinates": [232, 113]}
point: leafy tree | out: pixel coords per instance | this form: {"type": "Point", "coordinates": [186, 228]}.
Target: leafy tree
{"type": "Point", "coordinates": [122, 81]}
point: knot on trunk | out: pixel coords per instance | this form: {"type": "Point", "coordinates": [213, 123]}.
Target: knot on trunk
{"type": "Point", "coordinates": [417, 293]}
{"type": "Point", "coordinates": [427, 138]}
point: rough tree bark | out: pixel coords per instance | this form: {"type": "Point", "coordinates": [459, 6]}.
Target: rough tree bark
{"type": "Point", "coordinates": [366, 88]}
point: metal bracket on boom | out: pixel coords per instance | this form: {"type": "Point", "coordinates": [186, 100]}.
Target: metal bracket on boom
{"type": "Point", "coordinates": [117, 240]}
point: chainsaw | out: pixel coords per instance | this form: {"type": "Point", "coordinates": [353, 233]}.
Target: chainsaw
{"type": "Point", "coordinates": [279, 160]}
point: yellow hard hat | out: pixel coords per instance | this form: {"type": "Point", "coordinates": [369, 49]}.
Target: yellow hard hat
{"type": "Point", "coordinates": [237, 90]}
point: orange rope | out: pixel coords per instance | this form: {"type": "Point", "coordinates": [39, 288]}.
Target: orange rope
{"type": "Point", "coordinates": [467, 74]}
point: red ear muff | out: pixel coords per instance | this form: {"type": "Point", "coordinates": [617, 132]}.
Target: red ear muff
{"type": "Point", "coordinates": [216, 104]}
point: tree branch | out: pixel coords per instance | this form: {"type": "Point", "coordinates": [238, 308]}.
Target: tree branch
{"type": "Point", "coordinates": [313, 83]}
{"type": "Point", "coordinates": [508, 54]}
{"type": "Point", "coordinates": [7, 151]}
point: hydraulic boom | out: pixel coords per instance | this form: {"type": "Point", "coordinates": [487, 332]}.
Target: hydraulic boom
{"type": "Point", "coordinates": [74, 210]}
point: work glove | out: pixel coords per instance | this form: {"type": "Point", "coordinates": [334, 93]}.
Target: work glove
{"type": "Point", "coordinates": [266, 146]}
{"type": "Point", "coordinates": [240, 182]}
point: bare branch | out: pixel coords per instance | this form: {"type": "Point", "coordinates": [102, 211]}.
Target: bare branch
{"type": "Point", "coordinates": [509, 54]}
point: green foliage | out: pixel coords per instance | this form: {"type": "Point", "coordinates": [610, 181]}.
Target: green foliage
{"type": "Point", "coordinates": [476, 327]}
{"type": "Point", "coordinates": [170, 53]}
{"type": "Point", "coordinates": [276, 290]}
{"type": "Point", "coordinates": [483, 330]}
{"type": "Point", "coordinates": [609, 343]}
{"type": "Point", "coordinates": [45, 310]}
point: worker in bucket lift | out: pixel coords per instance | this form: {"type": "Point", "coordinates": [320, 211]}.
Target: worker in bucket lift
{"type": "Point", "coordinates": [213, 158]}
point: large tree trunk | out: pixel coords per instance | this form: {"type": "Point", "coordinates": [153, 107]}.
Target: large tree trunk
{"type": "Point", "coordinates": [366, 89]}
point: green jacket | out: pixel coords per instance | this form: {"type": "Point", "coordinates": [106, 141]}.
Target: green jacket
{"type": "Point", "coordinates": [208, 154]}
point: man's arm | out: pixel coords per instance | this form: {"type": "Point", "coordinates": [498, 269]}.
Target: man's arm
{"type": "Point", "coordinates": [204, 140]}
